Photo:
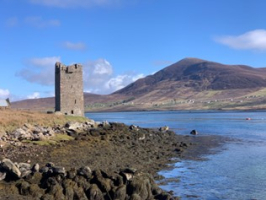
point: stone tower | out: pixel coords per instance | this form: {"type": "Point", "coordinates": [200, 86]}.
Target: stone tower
{"type": "Point", "coordinates": [69, 98]}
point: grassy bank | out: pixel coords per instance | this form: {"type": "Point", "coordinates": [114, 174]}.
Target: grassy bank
{"type": "Point", "coordinates": [13, 119]}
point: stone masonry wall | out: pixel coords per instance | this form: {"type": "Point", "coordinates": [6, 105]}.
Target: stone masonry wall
{"type": "Point", "coordinates": [69, 98]}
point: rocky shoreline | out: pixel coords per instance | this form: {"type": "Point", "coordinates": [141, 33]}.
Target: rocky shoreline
{"type": "Point", "coordinates": [120, 161]}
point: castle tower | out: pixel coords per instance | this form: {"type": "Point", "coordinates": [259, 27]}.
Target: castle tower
{"type": "Point", "coordinates": [69, 98]}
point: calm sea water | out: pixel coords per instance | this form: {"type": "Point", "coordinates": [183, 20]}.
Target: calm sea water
{"type": "Point", "coordinates": [236, 172]}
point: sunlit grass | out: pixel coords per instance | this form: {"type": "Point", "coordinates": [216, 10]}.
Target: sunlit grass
{"type": "Point", "coordinates": [13, 119]}
{"type": "Point", "coordinates": [52, 140]}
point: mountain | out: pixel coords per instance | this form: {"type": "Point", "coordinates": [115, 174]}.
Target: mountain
{"type": "Point", "coordinates": [199, 75]}
{"type": "Point", "coordinates": [190, 83]}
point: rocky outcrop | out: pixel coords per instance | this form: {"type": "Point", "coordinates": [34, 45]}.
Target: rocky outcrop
{"type": "Point", "coordinates": [53, 182]}
{"type": "Point", "coordinates": [38, 133]}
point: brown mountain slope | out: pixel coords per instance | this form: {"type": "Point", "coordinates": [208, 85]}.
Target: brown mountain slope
{"type": "Point", "coordinates": [198, 75]}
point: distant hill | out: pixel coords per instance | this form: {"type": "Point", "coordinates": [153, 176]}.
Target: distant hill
{"type": "Point", "coordinates": [190, 83]}
{"type": "Point", "coordinates": [199, 75]}
{"type": "Point", "coordinates": [48, 104]}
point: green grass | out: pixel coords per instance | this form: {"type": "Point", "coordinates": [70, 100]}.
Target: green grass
{"type": "Point", "coordinates": [51, 141]}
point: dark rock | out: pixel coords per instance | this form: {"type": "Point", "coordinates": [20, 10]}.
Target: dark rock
{"type": "Point", "coordinates": [34, 178]}
{"type": "Point", "coordinates": [135, 197]}
{"type": "Point", "coordinates": [56, 190]}
{"type": "Point", "coordinates": [10, 168]}
{"type": "Point", "coordinates": [82, 182]}
{"type": "Point", "coordinates": [71, 173]}
{"type": "Point", "coordinates": [47, 197]}
{"type": "Point", "coordinates": [44, 169]}
{"type": "Point", "coordinates": [103, 183]}
{"type": "Point", "coordinates": [194, 132]}
{"type": "Point", "coordinates": [94, 193]}
{"type": "Point", "coordinates": [80, 194]}
{"type": "Point", "coordinates": [141, 186]}
{"type": "Point", "coordinates": [128, 173]}
{"type": "Point", "coordinates": [179, 149]}
{"type": "Point", "coordinates": [35, 191]}
{"type": "Point", "coordinates": [69, 187]}
{"type": "Point", "coordinates": [85, 171]}
{"type": "Point", "coordinates": [59, 170]}
{"type": "Point", "coordinates": [50, 164]}
{"type": "Point", "coordinates": [183, 144]}
{"type": "Point", "coordinates": [120, 193]}
{"type": "Point", "coordinates": [35, 168]}
{"type": "Point", "coordinates": [94, 132]}
{"type": "Point", "coordinates": [166, 196]}
{"type": "Point", "coordinates": [71, 133]}
{"type": "Point", "coordinates": [23, 188]}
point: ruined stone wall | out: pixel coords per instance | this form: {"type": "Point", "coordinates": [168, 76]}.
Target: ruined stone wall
{"type": "Point", "coordinates": [69, 98]}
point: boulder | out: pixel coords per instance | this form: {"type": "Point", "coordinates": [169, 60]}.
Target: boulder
{"type": "Point", "coordinates": [35, 168]}
{"type": "Point", "coordinates": [94, 193]}
{"type": "Point", "coordinates": [7, 166]}
{"type": "Point", "coordinates": [59, 170]}
{"type": "Point", "coordinates": [134, 128]}
{"type": "Point", "coordinates": [164, 128]}
{"type": "Point", "coordinates": [120, 193]}
{"type": "Point", "coordinates": [194, 132]}
{"type": "Point", "coordinates": [20, 134]}
{"type": "Point", "coordinates": [128, 173]}
{"type": "Point", "coordinates": [140, 186]}
{"type": "Point", "coordinates": [85, 172]}
{"type": "Point", "coordinates": [71, 173]}
{"type": "Point", "coordinates": [73, 125]}
{"type": "Point", "coordinates": [2, 175]}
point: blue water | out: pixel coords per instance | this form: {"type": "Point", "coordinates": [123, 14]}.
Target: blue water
{"type": "Point", "coordinates": [236, 172]}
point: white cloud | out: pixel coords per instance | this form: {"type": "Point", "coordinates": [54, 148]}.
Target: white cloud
{"type": "Point", "coordinates": [75, 3]}
{"type": "Point", "coordinates": [98, 75]}
{"type": "Point", "coordinates": [39, 22]}
{"type": "Point", "coordinates": [121, 81]}
{"type": "Point", "coordinates": [102, 67]}
{"type": "Point", "coordinates": [35, 95]}
{"type": "Point", "coordinates": [4, 93]}
{"type": "Point", "coordinates": [74, 46]}
{"type": "Point", "coordinates": [255, 40]}
{"type": "Point", "coordinates": [40, 70]}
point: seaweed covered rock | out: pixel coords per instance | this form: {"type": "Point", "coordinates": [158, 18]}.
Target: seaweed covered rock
{"type": "Point", "coordinates": [53, 183]}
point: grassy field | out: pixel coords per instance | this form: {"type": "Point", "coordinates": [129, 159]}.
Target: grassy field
{"type": "Point", "coordinates": [13, 119]}
{"type": "Point", "coordinates": [245, 99]}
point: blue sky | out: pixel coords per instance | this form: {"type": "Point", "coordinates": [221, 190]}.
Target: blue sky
{"type": "Point", "coordinates": [119, 41]}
